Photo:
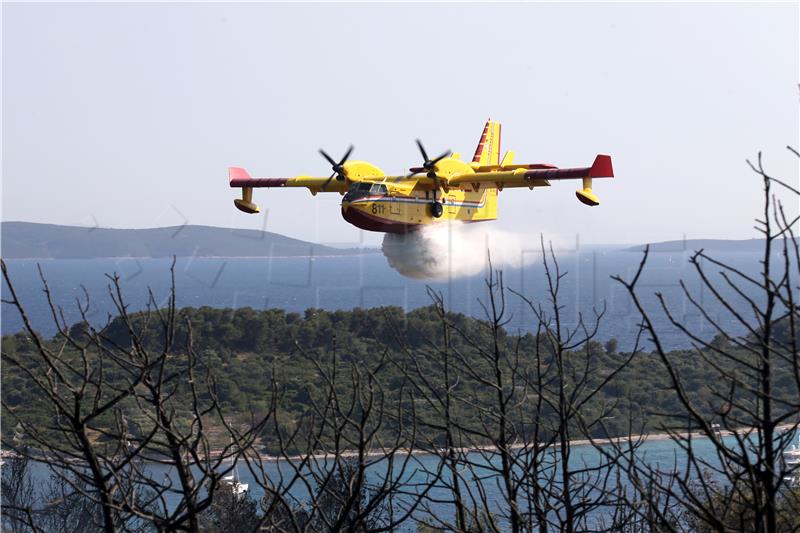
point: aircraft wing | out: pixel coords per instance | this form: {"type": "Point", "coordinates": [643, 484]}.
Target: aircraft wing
{"type": "Point", "coordinates": [527, 177]}
{"type": "Point", "coordinates": [239, 177]}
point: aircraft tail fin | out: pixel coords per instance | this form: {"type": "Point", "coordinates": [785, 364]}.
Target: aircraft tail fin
{"type": "Point", "coordinates": [488, 150]}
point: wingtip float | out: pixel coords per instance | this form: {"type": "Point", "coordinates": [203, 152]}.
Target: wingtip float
{"type": "Point", "coordinates": [443, 188]}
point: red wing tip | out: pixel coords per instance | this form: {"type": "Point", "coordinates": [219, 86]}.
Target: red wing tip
{"type": "Point", "coordinates": [237, 173]}
{"type": "Point", "coordinates": [602, 167]}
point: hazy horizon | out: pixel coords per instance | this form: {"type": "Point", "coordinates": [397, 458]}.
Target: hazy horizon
{"type": "Point", "coordinates": [368, 244]}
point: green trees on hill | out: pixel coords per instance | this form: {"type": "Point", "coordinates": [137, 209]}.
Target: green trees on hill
{"type": "Point", "coordinates": [247, 348]}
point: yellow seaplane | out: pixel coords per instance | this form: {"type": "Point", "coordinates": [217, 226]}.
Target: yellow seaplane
{"type": "Point", "coordinates": [443, 188]}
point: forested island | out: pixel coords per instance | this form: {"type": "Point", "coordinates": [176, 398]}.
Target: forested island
{"type": "Point", "coordinates": [259, 357]}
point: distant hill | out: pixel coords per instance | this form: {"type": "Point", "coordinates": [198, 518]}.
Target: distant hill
{"type": "Point", "coordinates": [50, 241]}
{"type": "Point", "coordinates": [719, 245]}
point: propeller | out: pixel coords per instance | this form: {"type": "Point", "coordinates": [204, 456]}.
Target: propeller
{"type": "Point", "coordinates": [338, 168]}
{"type": "Point", "coordinates": [430, 166]}
{"type": "Point", "coordinates": [429, 163]}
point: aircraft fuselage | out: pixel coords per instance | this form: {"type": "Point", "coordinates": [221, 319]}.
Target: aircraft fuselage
{"type": "Point", "coordinates": [370, 206]}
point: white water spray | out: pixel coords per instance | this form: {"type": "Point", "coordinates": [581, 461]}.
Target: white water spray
{"type": "Point", "coordinates": [455, 249]}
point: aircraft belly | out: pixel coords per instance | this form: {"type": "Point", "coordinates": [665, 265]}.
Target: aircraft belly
{"type": "Point", "coordinates": [362, 217]}
{"type": "Point", "coordinates": [401, 214]}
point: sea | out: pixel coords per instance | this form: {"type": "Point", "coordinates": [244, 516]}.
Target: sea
{"type": "Point", "coordinates": [413, 474]}
{"type": "Point", "coordinates": [586, 291]}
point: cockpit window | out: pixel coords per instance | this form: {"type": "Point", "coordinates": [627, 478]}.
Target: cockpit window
{"type": "Point", "coordinates": [373, 188]}
{"type": "Point", "coordinates": [360, 190]}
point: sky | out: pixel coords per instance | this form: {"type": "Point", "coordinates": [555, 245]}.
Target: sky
{"type": "Point", "coordinates": [128, 115]}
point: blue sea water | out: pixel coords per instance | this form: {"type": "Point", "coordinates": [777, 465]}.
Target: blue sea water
{"type": "Point", "coordinates": [366, 281]}
{"type": "Point", "coordinates": [415, 473]}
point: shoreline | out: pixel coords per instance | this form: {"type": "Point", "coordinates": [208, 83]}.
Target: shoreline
{"type": "Point", "coordinates": [641, 438]}
{"type": "Point", "coordinates": [638, 438]}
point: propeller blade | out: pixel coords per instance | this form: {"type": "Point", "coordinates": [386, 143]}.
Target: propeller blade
{"type": "Point", "coordinates": [326, 156]}
{"type": "Point", "coordinates": [446, 154]}
{"type": "Point", "coordinates": [338, 168]}
{"type": "Point", "coordinates": [346, 155]}
{"type": "Point", "coordinates": [422, 150]}
{"type": "Point", "coordinates": [325, 185]}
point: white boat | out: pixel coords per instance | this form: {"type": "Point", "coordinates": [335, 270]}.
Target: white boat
{"type": "Point", "coordinates": [791, 460]}
{"type": "Point", "coordinates": [233, 482]}
{"type": "Point", "coordinates": [792, 455]}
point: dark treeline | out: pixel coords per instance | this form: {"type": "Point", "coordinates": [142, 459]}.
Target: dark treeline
{"type": "Point", "coordinates": [247, 348]}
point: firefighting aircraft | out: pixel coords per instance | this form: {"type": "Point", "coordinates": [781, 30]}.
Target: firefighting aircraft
{"type": "Point", "coordinates": [443, 188]}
